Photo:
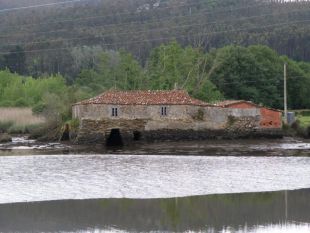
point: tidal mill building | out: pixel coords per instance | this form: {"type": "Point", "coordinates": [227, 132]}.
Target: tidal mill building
{"type": "Point", "coordinates": [126, 116]}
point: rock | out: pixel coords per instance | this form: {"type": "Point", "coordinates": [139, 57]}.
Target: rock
{"type": "Point", "coordinates": [4, 137]}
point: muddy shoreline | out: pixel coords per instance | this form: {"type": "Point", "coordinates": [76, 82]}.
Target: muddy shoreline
{"type": "Point", "coordinates": [287, 146]}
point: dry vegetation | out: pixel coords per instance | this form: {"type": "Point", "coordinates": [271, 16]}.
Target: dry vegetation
{"type": "Point", "coordinates": [18, 120]}
{"type": "Point", "coordinates": [20, 116]}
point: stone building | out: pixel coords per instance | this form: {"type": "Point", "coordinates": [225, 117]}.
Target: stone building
{"type": "Point", "coordinates": [269, 117]}
{"type": "Point", "coordinates": [157, 115]}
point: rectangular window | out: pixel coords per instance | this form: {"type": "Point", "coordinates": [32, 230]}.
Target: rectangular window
{"type": "Point", "coordinates": [114, 112]}
{"type": "Point", "coordinates": [164, 111]}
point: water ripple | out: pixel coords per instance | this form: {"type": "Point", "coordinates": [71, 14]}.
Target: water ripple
{"type": "Point", "coordinates": [55, 177]}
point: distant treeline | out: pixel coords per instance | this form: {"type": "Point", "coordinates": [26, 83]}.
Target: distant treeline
{"type": "Point", "coordinates": [57, 40]}
{"type": "Point", "coordinates": [233, 72]}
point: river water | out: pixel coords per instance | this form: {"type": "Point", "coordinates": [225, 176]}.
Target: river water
{"type": "Point", "coordinates": [214, 186]}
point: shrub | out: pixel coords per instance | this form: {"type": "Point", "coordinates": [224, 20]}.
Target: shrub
{"type": "Point", "coordinates": [285, 126]}
{"type": "Point", "coordinates": [16, 129]}
{"type": "Point", "coordinates": [296, 125]}
{"type": "Point", "coordinates": [75, 123]}
{"type": "Point", "coordinates": [21, 102]}
{"type": "Point", "coordinates": [7, 103]}
{"type": "Point", "coordinates": [49, 131]}
{"type": "Point", "coordinates": [39, 108]}
{"type": "Point", "coordinates": [5, 125]}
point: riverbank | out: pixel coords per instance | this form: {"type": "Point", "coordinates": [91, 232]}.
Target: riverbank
{"type": "Point", "coordinates": [287, 146]}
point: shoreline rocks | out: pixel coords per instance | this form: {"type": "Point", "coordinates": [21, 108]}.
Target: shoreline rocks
{"type": "Point", "coordinates": [4, 137]}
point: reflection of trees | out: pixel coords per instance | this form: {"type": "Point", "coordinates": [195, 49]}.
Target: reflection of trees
{"type": "Point", "coordinates": [171, 209]}
{"type": "Point", "coordinates": [175, 214]}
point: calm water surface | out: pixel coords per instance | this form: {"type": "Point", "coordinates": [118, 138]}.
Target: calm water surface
{"type": "Point", "coordinates": [251, 212]}
{"type": "Point", "coordinates": [219, 186]}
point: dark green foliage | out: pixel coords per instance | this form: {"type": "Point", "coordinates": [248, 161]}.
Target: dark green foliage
{"type": "Point", "coordinates": [4, 126]}
{"type": "Point", "coordinates": [114, 70]}
{"type": "Point", "coordinates": [256, 73]}
{"type": "Point", "coordinates": [39, 108]}
{"type": "Point", "coordinates": [21, 91]}
{"type": "Point", "coordinates": [232, 72]}
{"type": "Point", "coordinates": [305, 113]}
{"type": "Point", "coordinates": [171, 65]}
{"type": "Point", "coordinates": [111, 25]}
{"type": "Point", "coordinates": [15, 61]}
{"type": "Point", "coordinates": [21, 103]}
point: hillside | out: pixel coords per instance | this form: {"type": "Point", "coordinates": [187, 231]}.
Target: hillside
{"type": "Point", "coordinates": [52, 39]}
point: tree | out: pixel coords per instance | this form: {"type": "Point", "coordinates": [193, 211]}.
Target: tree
{"type": "Point", "coordinates": [171, 64]}
{"type": "Point", "coordinates": [256, 73]}
{"type": "Point", "coordinates": [15, 61]}
{"type": "Point", "coordinates": [114, 70]}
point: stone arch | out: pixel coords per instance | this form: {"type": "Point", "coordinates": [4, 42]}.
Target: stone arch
{"type": "Point", "coordinates": [114, 138]}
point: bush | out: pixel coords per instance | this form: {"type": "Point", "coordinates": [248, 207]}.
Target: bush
{"type": "Point", "coordinates": [285, 126]}
{"type": "Point", "coordinates": [296, 125]}
{"type": "Point", "coordinates": [5, 125]}
{"type": "Point", "coordinates": [7, 103]}
{"type": "Point", "coordinates": [21, 102]}
{"type": "Point", "coordinates": [50, 131]}
{"type": "Point", "coordinates": [75, 124]}
{"type": "Point", "coordinates": [16, 129]}
{"type": "Point", "coordinates": [39, 108]}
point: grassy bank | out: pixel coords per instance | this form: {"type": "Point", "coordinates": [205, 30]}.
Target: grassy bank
{"type": "Point", "coordinates": [303, 117]}
{"type": "Point", "coordinates": [304, 121]}
{"type": "Point", "coordinates": [18, 120]}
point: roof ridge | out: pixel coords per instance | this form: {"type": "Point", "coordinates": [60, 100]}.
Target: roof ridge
{"type": "Point", "coordinates": [145, 97]}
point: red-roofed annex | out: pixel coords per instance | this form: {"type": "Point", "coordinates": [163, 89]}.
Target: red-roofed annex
{"type": "Point", "coordinates": [269, 117]}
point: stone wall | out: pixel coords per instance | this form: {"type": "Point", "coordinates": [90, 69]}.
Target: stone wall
{"type": "Point", "coordinates": [104, 111]}
{"type": "Point", "coordinates": [178, 116]}
{"type": "Point", "coordinates": [197, 123]}
{"type": "Point", "coordinates": [97, 131]}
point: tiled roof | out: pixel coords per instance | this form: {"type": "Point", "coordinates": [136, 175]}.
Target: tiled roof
{"type": "Point", "coordinates": [227, 103]}
{"type": "Point", "coordinates": [174, 97]}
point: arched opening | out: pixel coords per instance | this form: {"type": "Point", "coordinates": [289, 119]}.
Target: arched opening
{"type": "Point", "coordinates": [136, 135]}
{"type": "Point", "coordinates": [115, 138]}
{"type": "Point", "coordinates": [66, 133]}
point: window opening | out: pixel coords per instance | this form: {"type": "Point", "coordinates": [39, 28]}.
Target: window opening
{"type": "Point", "coordinates": [164, 111]}
{"type": "Point", "coordinates": [114, 112]}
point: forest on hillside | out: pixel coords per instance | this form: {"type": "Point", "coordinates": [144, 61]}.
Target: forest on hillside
{"type": "Point", "coordinates": [65, 39]}
{"type": "Point", "coordinates": [252, 73]}
{"type": "Point", "coordinates": [51, 57]}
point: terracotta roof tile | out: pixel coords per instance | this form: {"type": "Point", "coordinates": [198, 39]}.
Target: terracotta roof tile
{"type": "Point", "coordinates": [227, 103]}
{"type": "Point", "coordinates": [174, 97]}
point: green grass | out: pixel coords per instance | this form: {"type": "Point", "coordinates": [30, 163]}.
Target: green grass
{"type": "Point", "coordinates": [304, 121]}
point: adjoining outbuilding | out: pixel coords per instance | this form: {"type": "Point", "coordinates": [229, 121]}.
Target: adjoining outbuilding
{"type": "Point", "coordinates": [156, 115]}
{"type": "Point", "coordinates": [270, 118]}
